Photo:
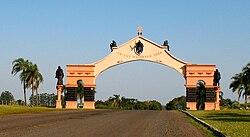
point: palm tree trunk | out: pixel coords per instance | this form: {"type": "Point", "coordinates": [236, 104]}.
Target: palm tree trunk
{"type": "Point", "coordinates": [33, 99]}
{"type": "Point", "coordinates": [24, 92]}
{"type": "Point", "coordinates": [246, 96]}
{"type": "Point", "coordinates": [36, 97]}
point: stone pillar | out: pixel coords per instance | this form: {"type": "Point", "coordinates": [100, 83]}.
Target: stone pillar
{"type": "Point", "coordinates": [217, 103]}
{"type": "Point", "coordinates": [59, 101]}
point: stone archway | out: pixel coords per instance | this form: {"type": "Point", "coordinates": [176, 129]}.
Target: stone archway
{"type": "Point", "coordinates": [140, 48]}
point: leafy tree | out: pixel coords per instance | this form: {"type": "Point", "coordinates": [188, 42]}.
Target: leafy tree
{"type": "Point", "coordinates": [21, 65]}
{"type": "Point", "coordinates": [176, 102]}
{"type": "Point", "coordinates": [6, 97]}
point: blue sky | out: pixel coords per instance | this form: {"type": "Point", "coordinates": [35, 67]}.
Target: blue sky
{"type": "Point", "coordinates": [59, 32]}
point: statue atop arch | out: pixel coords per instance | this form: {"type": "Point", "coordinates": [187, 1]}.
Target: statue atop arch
{"type": "Point", "coordinates": [113, 44]}
{"type": "Point", "coordinates": [59, 75]}
{"type": "Point", "coordinates": [217, 78]}
{"type": "Point", "coordinates": [165, 43]}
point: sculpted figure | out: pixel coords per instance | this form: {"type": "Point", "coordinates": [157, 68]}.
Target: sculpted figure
{"type": "Point", "coordinates": [59, 76]}
{"type": "Point", "coordinates": [217, 78]}
{"type": "Point", "coordinates": [113, 44]}
{"type": "Point", "coordinates": [139, 47]}
{"type": "Point", "coordinates": [165, 43]}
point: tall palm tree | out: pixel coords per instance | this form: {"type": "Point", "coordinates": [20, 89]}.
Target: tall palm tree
{"type": "Point", "coordinates": [246, 80]}
{"type": "Point", "coordinates": [21, 65]}
{"type": "Point", "coordinates": [34, 78]}
{"type": "Point", "coordinates": [38, 78]}
{"type": "Point", "coordinates": [237, 84]}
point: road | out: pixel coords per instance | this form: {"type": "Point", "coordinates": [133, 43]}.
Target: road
{"type": "Point", "coordinates": [98, 123]}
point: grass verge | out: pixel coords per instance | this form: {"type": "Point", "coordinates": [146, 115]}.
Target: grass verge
{"type": "Point", "coordinates": [234, 123]}
{"type": "Point", "coordinates": [200, 126]}
{"type": "Point", "coordinates": [4, 110]}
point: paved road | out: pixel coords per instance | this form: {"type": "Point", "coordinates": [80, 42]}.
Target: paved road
{"type": "Point", "coordinates": [98, 123]}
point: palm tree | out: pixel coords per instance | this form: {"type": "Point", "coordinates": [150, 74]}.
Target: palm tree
{"type": "Point", "coordinates": [115, 101]}
{"type": "Point", "coordinates": [246, 80]}
{"type": "Point", "coordinates": [201, 95]}
{"type": "Point", "coordinates": [38, 78]}
{"type": "Point", "coordinates": [80, 90]}
{"type": "Point", "coordinates": [21, 65]}
{"type": "Point", "coordinates": [237, 84]}
{"type": "Point", "coordinates": [34, 78]}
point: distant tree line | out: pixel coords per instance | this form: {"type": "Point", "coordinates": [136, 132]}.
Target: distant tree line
{"type": "Point", "coordinates": [7, 98]}
{"type": "Point", "coordinates": [45, 99]}
{"type": "Point", "coordinates": [177, 103]}
{"type": "Point", "coordinates": [117, 102]}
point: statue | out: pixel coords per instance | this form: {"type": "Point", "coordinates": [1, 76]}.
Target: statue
{"type": "Point", "coordinates": [139, 47]}
{"type": "Point", "coordinates": [113, 44]}
{"type": "Point", "coordinates": [59, 76]}
{"type": "Point", "coordinates": [217, 78]}
{"type": "Point", "coordinates": [165, 43]}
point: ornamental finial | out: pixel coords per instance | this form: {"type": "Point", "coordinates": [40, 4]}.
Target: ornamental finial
{"type": "Point", "coordinates": [139, 30]}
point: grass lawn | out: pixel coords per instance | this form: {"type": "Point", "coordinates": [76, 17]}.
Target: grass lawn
{"type": "Point", "coordinates": [24, 109]}
{"type": "Point", "coordinates": [234, 123]}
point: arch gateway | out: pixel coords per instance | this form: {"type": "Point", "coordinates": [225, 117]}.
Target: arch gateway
{"type": "Point", "coordinates": [140, 48]}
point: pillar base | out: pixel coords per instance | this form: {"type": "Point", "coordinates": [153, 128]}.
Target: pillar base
{"type": "Point", "coordinates": [71, 105]}
{"type": "Point", "coordinates": [191, 105]}
{"type": "Point", "coordinates": [58, 103]}
{"type": "Point", "coordinates": [89, 105]}
{"type": "Point", "coordinates": [209, 105]}
{"type": "Point", "coordinates": [217, 105]}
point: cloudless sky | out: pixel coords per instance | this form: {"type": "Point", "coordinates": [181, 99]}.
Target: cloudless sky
{"type": "Point", "coordinates": [60, 32]}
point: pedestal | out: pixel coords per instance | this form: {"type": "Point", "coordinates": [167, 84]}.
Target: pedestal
{"type": "Point", "coordinates": [71, 104]}
{"type": "Point", "coordinates": [89, 105]}
{"type": "Point", "coordinates": [59, 101]}
{"type": "Point", "coordinates": [191, 105]}
{"type": "Point", "coordinates": [210, 105]}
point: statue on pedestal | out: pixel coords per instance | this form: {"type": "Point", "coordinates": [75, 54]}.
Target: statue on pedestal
{"type": "Point", "coordinates": [217, 78]}
{"type": "Point", "coordinates": [59, 76]}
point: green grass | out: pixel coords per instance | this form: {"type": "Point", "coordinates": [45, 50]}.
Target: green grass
{"type": "Point", "coordinates": [4, 110]}
{"type": "Point", "coordinates": [234, 123]}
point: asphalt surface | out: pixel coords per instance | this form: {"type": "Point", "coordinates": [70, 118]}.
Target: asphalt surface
{"type": "Point", "coordinates": [98, 123]}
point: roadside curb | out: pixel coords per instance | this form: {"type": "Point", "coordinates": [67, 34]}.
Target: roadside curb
{"type": "Point", "coordinates": [217, 132]}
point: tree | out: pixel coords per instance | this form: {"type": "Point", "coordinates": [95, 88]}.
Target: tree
{"type": "Point", "coordinates": [21, 65]}
{"type": "Point", "coordinates": [34, 78]}
{"type": "Point", "coordinates": [237, 84]}
{"type": "Point", "coordinates": [115, 101]}
{"type": "Point", "coordinates": [241, 83]}
{"type": "Point", "coordinates": [176, 102]}
{"type": "Point", "coordinates": [246, 80]}
{"type": "Point", "coordinates": [80, 90]}
{"type": "Point", "coordinates": [6, 97]}
{"type": "Point", "coordinates": [201, 95]}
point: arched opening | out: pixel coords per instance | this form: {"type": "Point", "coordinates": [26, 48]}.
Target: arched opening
{"type": "Point", "coordinates": [141, 80]}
